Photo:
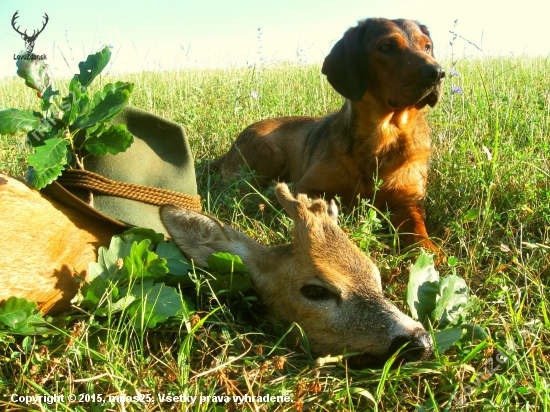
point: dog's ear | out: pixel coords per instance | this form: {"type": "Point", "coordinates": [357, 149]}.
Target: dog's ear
{"type": "Point", "coordinates": [346, 65]}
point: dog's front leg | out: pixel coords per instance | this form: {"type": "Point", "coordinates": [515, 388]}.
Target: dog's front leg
{"type": "Point", "coordinates": [409, 220]}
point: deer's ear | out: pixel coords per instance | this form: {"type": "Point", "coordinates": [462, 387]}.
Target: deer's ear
{"type": "Point", "coordinates": [199, 235]}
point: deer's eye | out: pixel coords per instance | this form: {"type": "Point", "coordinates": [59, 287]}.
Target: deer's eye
{"type": "Point", "coordinates": [314, 292]}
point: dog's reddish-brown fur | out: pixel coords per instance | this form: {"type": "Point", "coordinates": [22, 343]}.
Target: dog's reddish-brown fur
{"type": "Point", "coordinates": [387, 72]}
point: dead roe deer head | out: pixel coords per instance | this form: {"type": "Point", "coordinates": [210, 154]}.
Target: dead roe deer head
{"type": "Point", "coordinates": [321, 281]}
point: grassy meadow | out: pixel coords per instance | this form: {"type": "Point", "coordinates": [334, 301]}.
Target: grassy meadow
{"type": "Point", "coordinates": [488, 206]}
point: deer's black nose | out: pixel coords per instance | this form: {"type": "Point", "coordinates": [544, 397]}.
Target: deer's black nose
{"type": "Point", "coordinates": [433, 73]}
{"type": "Point", "coordinates": [420, 346]}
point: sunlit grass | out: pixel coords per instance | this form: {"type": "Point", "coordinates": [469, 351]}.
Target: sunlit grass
{"type": "Point", "coordinates": [488, 205]}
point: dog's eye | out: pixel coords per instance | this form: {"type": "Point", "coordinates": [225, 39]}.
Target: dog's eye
{"type": "Point", "coordinates": [314, 292]}
{"type": "Point", "coordinates": [427, 48]}
{"type": "Point", "coordinates": [385, 47]}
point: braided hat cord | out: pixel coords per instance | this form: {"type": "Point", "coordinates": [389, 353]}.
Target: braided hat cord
{"type": "Point", "coordinates": [152, 195]}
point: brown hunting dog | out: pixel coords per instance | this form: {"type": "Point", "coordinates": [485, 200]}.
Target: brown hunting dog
{"type": "Point", "coordinates": [387, 72]}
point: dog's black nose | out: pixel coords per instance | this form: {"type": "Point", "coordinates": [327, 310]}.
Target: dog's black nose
{"type": "Point", "coordinates": [420, 346]}
{"type": "Point", "coordinates": [433, 73]}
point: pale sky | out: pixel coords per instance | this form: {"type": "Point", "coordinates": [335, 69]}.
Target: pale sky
{"type": "Point", "coordinates": [169, 34]}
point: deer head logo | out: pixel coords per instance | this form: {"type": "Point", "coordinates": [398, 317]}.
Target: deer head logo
{"type": "Point", "coordinates": [29, 40]}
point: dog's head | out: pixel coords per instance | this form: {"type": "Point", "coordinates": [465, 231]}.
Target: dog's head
{"type": "Point", "coordinates": [391, 59]}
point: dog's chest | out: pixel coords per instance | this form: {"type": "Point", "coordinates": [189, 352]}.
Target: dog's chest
{"type": "Point", "coordinates": [397, 159]}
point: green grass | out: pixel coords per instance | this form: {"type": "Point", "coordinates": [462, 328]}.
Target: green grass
{"type": "Point", "coordinates": [489, 208]}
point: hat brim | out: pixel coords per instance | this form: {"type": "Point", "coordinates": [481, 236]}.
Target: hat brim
{"type": "Point", "coordinates": [62, 195]}
{"type": "Point", "coordinates": [160, 157]}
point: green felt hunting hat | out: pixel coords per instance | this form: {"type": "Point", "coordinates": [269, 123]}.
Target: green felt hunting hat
{"type": "Point", "coordinates": [128, 188]}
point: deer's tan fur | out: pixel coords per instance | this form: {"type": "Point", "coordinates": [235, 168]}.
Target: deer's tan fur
{"type": "Point", "coordinates": [44, 245]}
{"type": "Point", "coordinates": [354, 317]}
